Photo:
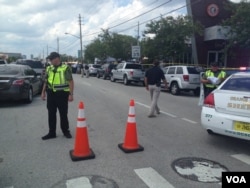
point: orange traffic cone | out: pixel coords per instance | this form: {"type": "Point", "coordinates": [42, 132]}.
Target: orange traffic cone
{"type": "Point", "coordinates": [130, 144]}
{"type": "Point", "coordinates": [81, 150]}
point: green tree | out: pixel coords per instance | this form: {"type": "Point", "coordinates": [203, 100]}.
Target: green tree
{"type": "Point", "coordinates": [170, 38]}
{"type": "Point", "coordinates": [239, 24]}
{"type": "Point", "coordinates": [109, 44]}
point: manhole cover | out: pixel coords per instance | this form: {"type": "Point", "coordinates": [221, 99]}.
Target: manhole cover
{"type": "Point", "coordinates": [87, 182]}
{"type": "Point", "coordinates": [198, 169]}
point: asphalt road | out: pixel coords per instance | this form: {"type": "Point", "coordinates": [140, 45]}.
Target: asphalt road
{"type": "Point", "coordinates": [170, 140]}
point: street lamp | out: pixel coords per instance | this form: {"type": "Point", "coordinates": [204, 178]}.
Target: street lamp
{"type": "Point", "coordinates": [79, 37]}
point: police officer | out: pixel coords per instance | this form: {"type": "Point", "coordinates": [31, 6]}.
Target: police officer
{"type": "Point", "coordinates": [214, 72]}
{"type": "Point", "coordinates": [59, 85]}
{"type": "Point", "coordinates": [152, 82]}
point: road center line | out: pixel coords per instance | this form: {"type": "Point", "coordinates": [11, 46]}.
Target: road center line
{"type": "Point", "coordinates": [242, 157]}
{"type": "Point", "coordinates": [168, 114]}
{"type": "Point", "coordinates": [152, 178]}
{"type": "Point", "coordinates": [188, 120]}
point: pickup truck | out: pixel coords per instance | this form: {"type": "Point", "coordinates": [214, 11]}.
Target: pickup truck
{"type": "Point", "coordinates": [128, 72]}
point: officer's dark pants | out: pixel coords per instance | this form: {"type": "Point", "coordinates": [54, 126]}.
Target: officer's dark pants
{"type": "Point", "coordinates": [207, 91]}
{"type": "Point", "coordinates": [58, 100]}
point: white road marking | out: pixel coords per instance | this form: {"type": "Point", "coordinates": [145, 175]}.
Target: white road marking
{"type": "Point", "coordinates": [188, 120]}
{"type": "Point", "coordinates": [152, 178]}
{"type": "Point", "coordinates": [81, 182]}
{"type": "Point", "coordinates": [242, 157]}
{"type": "Point", "coordinates": [168, 114]}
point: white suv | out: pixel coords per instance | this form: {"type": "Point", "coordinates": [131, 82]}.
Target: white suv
{"type": "Point", "coordinates": [183, 78]}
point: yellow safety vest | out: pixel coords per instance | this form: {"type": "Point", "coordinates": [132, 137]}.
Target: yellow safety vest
{"type": "Point", "coordinates": [210, 73]}
{"type": "Point", "coordinates": [56, 78]}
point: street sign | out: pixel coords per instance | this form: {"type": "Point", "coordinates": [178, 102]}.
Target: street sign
{"type": "Point", "coordinates": [136, 52]}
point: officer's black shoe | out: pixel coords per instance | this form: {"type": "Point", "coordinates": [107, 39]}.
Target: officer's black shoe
{"type": "Point", "coordinates": [67, 135]}
{"type": "Point", "coordinates": [48, 136]}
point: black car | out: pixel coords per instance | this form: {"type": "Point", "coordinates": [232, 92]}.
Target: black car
{"type": "Point", "coordinates": [105, 70]}
{"type": "Point", "coordinates": [19, 82]}
{"type": "Point", "coordinates": [36, 65]}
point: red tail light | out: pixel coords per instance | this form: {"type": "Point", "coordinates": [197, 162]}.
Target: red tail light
{"type": "Point", "coordinates": [131, 73]}
{"type": "Point", "coordinates": [209, 101]}
{"type": "Point", "coordinates": [18, 82]}
{"type": "Point", "coordinates": [186, 78]}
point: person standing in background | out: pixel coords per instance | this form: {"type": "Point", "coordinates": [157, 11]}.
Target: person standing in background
{"type": "Point", "coordinates": [152, 82]}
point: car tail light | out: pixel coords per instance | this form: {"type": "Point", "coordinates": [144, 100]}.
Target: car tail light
{"type": "Point", "coordinates": [209, 101]}
{"type": "Point", "coordinates": [131, 73]}
{"type": "Point", "coordinates": [18, 82]}
{"type": "Point", "coordinates": [186, 78]}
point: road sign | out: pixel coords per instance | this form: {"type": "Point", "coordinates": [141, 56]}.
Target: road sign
{"type": "Point", "coordinates": [136, 52]}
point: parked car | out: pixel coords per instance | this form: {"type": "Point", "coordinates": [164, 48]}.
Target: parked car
{"type": "Point", "coordinates": [226, 109]}
{"type": "Point", "coordinates": [36, 65]}
{"type": "Point", "coordinates": [128, 72]}
{"type": "Point", "coordinates": [183, 78]}
{"type": "Point", "coordinates": [93, 69]}
{"type": "Point", "coordinates": [105, 70]}
{"type": "Point", "coordinates": [2, 61]}
{"type": "Point", "coordinates": [19, 82]}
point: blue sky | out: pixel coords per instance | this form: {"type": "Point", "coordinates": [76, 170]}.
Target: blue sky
{"type": "Point", "coordinates": [32, 27]}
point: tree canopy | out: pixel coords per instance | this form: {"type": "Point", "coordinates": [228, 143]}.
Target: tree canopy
{"type": "Point", "coordinates": [171, 36]}
{"type": "Point", "coordinates": [239, 24]}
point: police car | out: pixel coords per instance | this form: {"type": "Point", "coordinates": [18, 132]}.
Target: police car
{"type": "Point", "coordinates": [226, 110]}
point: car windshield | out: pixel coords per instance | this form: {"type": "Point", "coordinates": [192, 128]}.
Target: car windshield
{"type": "Point", "coordinates": [194, 70]}
{"type": "Point", "coordinates": [96, 66]}
{"type": "Point", "coordinates": [133, 66]}
{"type": "Point", "coordinates": [32, 64]}
{"type": "Point", "coordinates": [237, 83]}
{"type": "Point", "coordinates": [2, 62]}
{"type": "Point", "coordinates": [8, 70]}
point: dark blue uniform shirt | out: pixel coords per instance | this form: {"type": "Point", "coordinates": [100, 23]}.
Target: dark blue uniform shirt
{"type": "Point", "coordinates": [154, 75]}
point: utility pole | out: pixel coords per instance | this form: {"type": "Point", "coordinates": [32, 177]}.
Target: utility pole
{"type": "Point", "coordinates": [47, 50]}
{"type": "Point", "coordinates": [80, 24]}
{"type": "Point", "coordinates": [138, 36]}
{"type": "Point", "coordinates": [57, 45]}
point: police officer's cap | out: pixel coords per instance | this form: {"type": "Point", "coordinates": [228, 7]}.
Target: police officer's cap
{"type": "Point", "coordinates": [53, 55]}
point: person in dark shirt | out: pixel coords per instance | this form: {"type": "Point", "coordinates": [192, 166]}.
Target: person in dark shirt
{"type": "Point", "coordinates": [152, 81]}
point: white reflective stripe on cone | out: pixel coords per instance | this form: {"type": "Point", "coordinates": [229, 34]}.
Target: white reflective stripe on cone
{"type": "Point", "coordinates": [81, 114]}
{"type": "Point", "coordinates": [81, 124]}
{"type": "Point", "coordinates": [131, 119]}
{"type": "Point", "coordinates": [131, 110]}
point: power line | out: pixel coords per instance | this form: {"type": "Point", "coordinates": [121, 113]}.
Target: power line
{"type": "Point", "coordinates": [131, 18]}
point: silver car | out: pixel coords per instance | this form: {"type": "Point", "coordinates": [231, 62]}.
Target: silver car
{"type": "Point", "coordinates": [93, 68]}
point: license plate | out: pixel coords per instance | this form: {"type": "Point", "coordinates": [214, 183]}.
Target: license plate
{"type": "Point", "coordinates": [242, 126]}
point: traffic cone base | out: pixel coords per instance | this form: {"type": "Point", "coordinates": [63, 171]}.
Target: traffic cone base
{"type": "Point", "coordinates": [130, 144]}
{"type": "Point", "coordinates": [80, 158]}
{"type": "Point", "coordinates": [126, 150]}
{"type": "Point", "coordinates": [81, 150]}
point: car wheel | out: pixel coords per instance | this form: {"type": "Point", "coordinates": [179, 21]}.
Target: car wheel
{"type": "Point", "coordinates": [125, 80]}
{"type": "Point", "coordinates": [29, 98]}
{"type": "Point", "coordinates": [104, 77]}
{"type": "Point", "coordinates": [112, 79]}
{"type": "Point", "coordinates": [175, 90]}
{"type": "Point", "coordinates": [98, 75]}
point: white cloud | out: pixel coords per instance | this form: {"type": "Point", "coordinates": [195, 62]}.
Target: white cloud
{"type": "Point", "coordinates": [29, 26]}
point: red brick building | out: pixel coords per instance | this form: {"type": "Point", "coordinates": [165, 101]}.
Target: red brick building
{"type": "Point", "coordinates": [210, 46]}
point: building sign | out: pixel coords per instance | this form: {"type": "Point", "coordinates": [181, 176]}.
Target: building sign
{"type": "Point", "coordinates": [136, 52]}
